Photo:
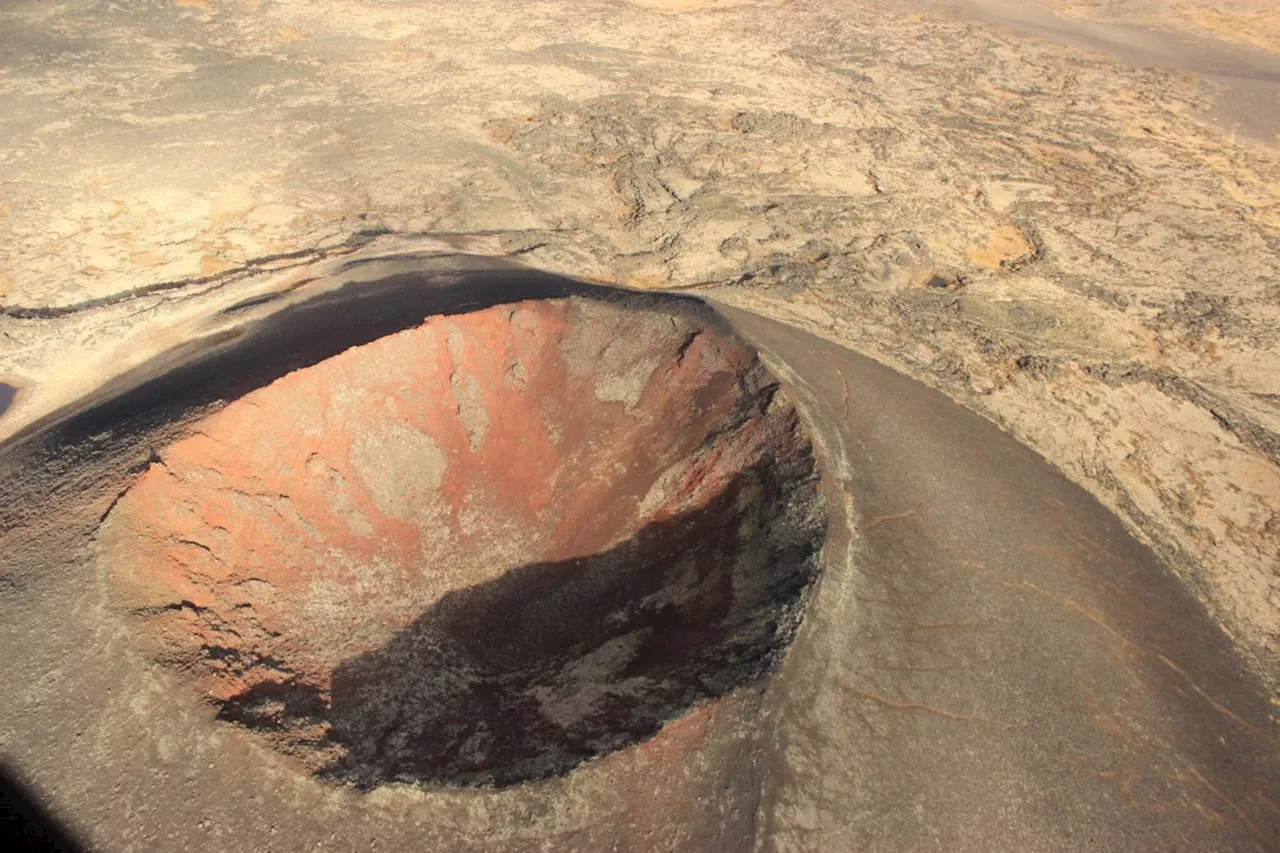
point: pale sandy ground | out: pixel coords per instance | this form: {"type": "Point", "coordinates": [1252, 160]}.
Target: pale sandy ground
{"type": "Point", "coordinates": [1071, 224]}
{"type": "Point", "coordinates": [1252, 22]}
{"type": "Point", "coordinates": [1231, 46]}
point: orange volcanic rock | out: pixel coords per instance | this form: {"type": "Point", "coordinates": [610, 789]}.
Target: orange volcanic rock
{"type": "Point", "coordinates": [482, 550]}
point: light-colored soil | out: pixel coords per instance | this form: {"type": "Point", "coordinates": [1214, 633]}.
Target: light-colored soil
{"type": "Point", "coordinates": [1056, 238]}
{"type": "Point", "coordinates": [1252, 22]}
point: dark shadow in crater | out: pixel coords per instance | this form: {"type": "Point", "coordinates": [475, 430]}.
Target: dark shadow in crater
{"type": "Point", "coordinates": [528, 675]}
{"type": "Point", "coordinates": [25, 824]}
{"type": "Point", "coordinates": [8, 393]}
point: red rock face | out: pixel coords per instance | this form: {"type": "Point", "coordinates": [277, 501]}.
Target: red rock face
{"type": "Point", "coordinates": [483, 550]}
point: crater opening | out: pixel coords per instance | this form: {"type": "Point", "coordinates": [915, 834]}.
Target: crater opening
{"type": "Point", "coordinates": [482, 550]}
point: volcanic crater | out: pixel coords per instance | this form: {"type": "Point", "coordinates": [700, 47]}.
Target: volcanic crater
{"type": "Point", "coordinates": [482, 550]}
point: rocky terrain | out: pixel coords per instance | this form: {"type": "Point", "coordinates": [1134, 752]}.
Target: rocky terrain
{"type": "Point", "coordinates": [1062, 241]}
{"type": "Point", "coordinates": [1063, 216]}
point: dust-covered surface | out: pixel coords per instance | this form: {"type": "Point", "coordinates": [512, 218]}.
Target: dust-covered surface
{"type": "Point", "coordinates": [1083, 251]}
{"type": "Point", "coordinates": [1251, 22]}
